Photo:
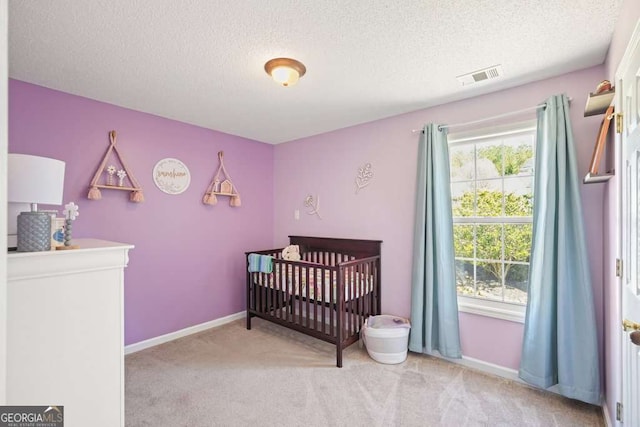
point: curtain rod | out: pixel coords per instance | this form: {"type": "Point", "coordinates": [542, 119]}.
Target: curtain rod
{"type": "Point", "coordinates": [486, 119]}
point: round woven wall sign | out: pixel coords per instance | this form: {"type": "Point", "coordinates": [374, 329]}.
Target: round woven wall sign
{"type": "Point", "coordinates": [171, 176]}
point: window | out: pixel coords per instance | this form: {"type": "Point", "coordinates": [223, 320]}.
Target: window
{"type": "Point", "coordinates": [492, 200]}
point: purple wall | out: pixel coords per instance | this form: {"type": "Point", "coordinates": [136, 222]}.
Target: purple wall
{"type": "Point", "coordinates": [187, 266]}
{"type": "Point", "coordinates": [187, 269]}
{"type": "Point", "coordinates": [625, 25]}
{"type": "Point", "coordinates": [326, 165]}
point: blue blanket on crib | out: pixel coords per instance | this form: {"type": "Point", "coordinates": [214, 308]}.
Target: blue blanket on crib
{"type": "Point", "coordinates": [260, 263]}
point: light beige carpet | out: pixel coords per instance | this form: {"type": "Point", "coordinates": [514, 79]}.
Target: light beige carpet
{"type": "Point", "coordinates": [272, 376]}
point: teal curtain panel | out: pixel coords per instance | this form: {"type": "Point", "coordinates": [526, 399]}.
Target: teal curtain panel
{"type": "Point", "coordinates": [560, 344]}
{"type": "Point", "coordinates": [434, 304]}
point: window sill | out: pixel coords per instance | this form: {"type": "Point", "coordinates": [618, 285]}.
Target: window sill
{"type": "Point", "coordinates": [495, 309]}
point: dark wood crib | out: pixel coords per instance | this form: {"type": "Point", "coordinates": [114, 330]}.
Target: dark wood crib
{"type": "Point", "coordinates": [327, 295]}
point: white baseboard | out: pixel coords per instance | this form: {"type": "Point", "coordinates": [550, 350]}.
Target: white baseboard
{"type": "Point", "coordinates": [511, 374]}
{"type": "Point", "coordinates": [487, 367]}
{"type": "Point", "coordinates": [152, 342]}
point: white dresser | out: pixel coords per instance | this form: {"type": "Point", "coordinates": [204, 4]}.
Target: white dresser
{"type": "Point", "coordinates": [65, 331]}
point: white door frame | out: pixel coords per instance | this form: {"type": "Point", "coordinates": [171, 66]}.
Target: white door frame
{"type": "Point", "coordinates": [629, 268]}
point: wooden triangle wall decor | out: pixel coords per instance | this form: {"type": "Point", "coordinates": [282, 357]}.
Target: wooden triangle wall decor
{"type": "Point", "coordinates": [221, 188]}
{"type": "Point", "coordinates": [124, 173]}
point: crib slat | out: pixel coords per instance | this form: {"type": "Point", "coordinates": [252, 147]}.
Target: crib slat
{"type": "Point", "coordinates": [357, 295]}
{"type": "Point", "coordinates": [315, 297]}
{"type": "Point", "coordinates": [285, 294]}
{"type": "Point", "coordinates": [364, 281]}
{"type": "Point", "coordinates": [286, 272]}
{"type": "Point", "coordinates": [278, 294]}
{"type": "Point", "coordinates": [265, 295]}
{"type": "Point", "coordinates": [294, 281]}
{"type": "Point", "coordinates": [249, 289]}
{"type": "Point", "coordinates": [352, 319]}
{"type": "Point", "coordinates": [356, 298]}
{"type": "Point", "coordinates": [258, 291]}
{"type": "Point", "coordinates": [345, 286]}
{"type": "Point", "coordinates": [284, 311]}
{"type": "Point", "coordinates": [333, 302]}
{"type": "Point", "coordinates": [340, 316]}
{"type": "Point", "coordinates": [364, 292]}
{"type": "Point", "coordinates": [290, 273]}
{"type": "Point", "coordinates": [269, 289]}
{"type": "Point", "coordinates": [372, 287]}
{"type": "Point", "coordinates": [377, 288]}
{"type": "Point", "coordinates": [354, 311]}
{"type": "Point", "coordinates": [299, 283]}
{"type": "Point", "coordinates": [307, 294]}
{"type": "Point", "coordinates": [323, 318]}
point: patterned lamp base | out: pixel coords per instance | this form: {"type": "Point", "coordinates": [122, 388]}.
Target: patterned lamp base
{"type": "Point", "coordinates": [34, 231]}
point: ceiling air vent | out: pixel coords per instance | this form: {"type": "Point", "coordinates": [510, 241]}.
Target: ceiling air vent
{"type": "Point", "coordinates": [480, 75]}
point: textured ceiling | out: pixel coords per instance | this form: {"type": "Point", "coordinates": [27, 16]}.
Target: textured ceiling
{"type": "Point", "coordinates": [201, 61]}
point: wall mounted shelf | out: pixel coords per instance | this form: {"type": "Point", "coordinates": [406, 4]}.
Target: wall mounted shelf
{"type": "Point", "coordinates": [94, 188]}
{"type": "Point", "coordinates": [221, 188]}
{"type": "Point", "coordinates": [113, 187]}
{"type": "Point", "coordinates": [597, 103]}
{"type": "Point", "coordinates": [593, 177]}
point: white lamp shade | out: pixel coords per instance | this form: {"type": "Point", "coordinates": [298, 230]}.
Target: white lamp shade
{"type": "Point", "coordinates": [34, 179]}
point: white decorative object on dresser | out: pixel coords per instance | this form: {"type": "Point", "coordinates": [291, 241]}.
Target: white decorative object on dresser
{"type": "Point", "coordinates": [65, 331]}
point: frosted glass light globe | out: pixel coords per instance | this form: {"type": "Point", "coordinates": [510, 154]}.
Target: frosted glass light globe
{"type": "Point", "coordinates": [285, 76]}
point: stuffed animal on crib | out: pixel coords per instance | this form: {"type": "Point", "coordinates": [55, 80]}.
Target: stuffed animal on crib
{"type": "Point", "coordinates": [291, 253]}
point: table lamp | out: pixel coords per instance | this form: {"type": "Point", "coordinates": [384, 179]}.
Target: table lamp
{"type": "Point", "coordinates": [33, 180]}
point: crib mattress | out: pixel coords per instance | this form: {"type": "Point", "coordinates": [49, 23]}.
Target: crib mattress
{"type": "Point", "coordinates": [319, 278]}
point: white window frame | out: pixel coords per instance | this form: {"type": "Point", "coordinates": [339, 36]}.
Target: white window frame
{"type": "Point", "coordinates": [486, 307]}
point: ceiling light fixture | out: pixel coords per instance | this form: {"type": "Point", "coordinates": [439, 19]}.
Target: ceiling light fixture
{"type": "Point", "coordinates": [285, 71]}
